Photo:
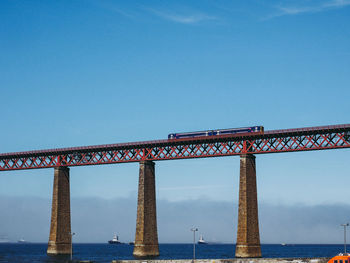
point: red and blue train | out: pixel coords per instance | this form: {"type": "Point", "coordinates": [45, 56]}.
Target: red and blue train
{"type": "Point", "coordinates": [215, 132]}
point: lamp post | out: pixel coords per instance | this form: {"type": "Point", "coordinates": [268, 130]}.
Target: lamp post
{"type": "Point", "coordinates": [71, 246]}
{"type": "Point", "coordinates": [345, 225]}
{"type": "Point", "coordinates": [194, 242]}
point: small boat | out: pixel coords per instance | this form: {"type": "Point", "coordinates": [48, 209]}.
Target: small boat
{"type": "Point", "coordinates": [201, 241]}
{"type": "Point", "coordinates": [131, 243]}
{"type": "Point", "coordinates": [22, 241]}
{"type": "Point", "coordinates": [283, 244]}
{"type": "Point", "coordinates": [342, 257]}
{"type": "Point", "coordinates": [115, 240]}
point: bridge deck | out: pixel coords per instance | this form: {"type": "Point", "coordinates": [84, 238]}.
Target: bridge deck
{"type": "Point", "coordinates": [301, 139]}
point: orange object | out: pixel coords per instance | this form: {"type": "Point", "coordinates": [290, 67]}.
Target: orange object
{"type": "Point", "coordinates": [341, 258]}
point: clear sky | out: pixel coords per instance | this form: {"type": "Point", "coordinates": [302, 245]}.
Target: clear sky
{"type": "Point", "coordinates": [76, 73]}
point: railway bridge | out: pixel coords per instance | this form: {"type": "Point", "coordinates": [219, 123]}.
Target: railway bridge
{"type": "Point", "coordinates": [246, 145]}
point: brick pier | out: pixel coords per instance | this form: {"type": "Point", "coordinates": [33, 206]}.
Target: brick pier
{"type": "Point", "coordinates": [248, 240]}
{"type": "Point", "coordinates": [146, 237]}
{"type": "Point", "coordinates": [60, 230]}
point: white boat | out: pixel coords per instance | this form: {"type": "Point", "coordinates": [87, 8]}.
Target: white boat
{"type": "Point", "coordinates": [22, 241]}
{"type": "Point", "coordinates": [115, 240]}
{"type": "Point", "coordinates": [201, 241]}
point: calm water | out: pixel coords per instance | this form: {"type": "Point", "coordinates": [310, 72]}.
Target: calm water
{"type": "Point", "coordinates": [106, 253]}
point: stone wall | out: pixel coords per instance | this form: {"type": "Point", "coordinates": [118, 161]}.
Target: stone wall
{"type": "Point", "coordinates": [234, 260]}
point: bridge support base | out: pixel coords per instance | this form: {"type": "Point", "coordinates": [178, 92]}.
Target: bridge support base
{"type": "Point", "coordinates": [248, 239]}
{"type": "Point", "coordinates": [60, 230]}
{"type": "Point", "coordinates": [146, 237]}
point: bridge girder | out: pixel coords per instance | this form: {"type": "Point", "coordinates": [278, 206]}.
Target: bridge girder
{"type": "Point", "coordinates": [291, 140]}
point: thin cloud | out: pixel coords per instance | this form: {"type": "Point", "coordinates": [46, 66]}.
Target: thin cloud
{"type": "Point", "coordinates": [338, 3]}
{"type": "Point", "coordinates": [321, 7]}
{"type": "Point", "coordinates": [114, 8]}
{"type": "Point", "coordinates": [180, 18]}
{"type": "Point", "coordinates": [122, 12]}
{"type": "Point", "coordinates": [193, 187]}
{"type": "Point", "coordinates": [94, 220]}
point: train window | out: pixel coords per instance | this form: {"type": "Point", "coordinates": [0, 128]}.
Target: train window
{"type": "Point", "coordinates": [340, 261]}
{"type": "Point", "coordinates": [335, 261]}
{"type": "Point", "coordinates": [345, 261]}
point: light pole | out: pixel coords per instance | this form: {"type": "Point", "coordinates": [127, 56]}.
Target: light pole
{"type": "Point", "coordinates": [345, 225]}
{"type": "Point", "coordinates": [194, 242]}
{"type": "Point", "coordinates": [71, 245]}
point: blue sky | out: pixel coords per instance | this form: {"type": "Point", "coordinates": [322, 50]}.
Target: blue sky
{"type": "Point", "coordinates": [96, 72]}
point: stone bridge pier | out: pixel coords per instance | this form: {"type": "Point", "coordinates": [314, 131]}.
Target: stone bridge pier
{"type": "Point", "coordinates": [248, 238]}
{"type": "Point", "coordinates": [60, 229]}
{"type": "Point", "coordinates": [146, 237]}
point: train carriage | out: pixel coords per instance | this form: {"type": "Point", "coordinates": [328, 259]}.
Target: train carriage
{"type": "Point", "coordinates": [254, 129]}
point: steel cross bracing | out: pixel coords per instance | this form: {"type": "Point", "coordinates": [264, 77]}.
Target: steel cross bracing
{"type": "Point", "coordinates": [304, 139]}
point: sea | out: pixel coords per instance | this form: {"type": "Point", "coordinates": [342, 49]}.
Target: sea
{"type": "Point", "coordinates": [36, 252]}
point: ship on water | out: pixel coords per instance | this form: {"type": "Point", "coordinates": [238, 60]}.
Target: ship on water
{"type": "Point", "coordinates": [201, 241]}
{"type": "Point", "coordinates": [115, 240]}
{"type": "Point", "coordinates": [22, 241]}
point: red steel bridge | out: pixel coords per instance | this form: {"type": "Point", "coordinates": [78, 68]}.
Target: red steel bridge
{"type": "Point", "coordinates": [146, 238]}
{"type": "Point", "coordinates": [274, 141]}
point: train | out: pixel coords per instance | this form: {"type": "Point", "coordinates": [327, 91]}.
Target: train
{"type": "Point", "coordinates": [172, 136]}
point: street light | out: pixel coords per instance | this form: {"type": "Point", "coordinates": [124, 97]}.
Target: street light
{"type": "Point", "coordinates": [71, 245]}
{"type": "Point", "coordinates": [345, 225]}
{"type": "Point", "coordinates": [194, 242]}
